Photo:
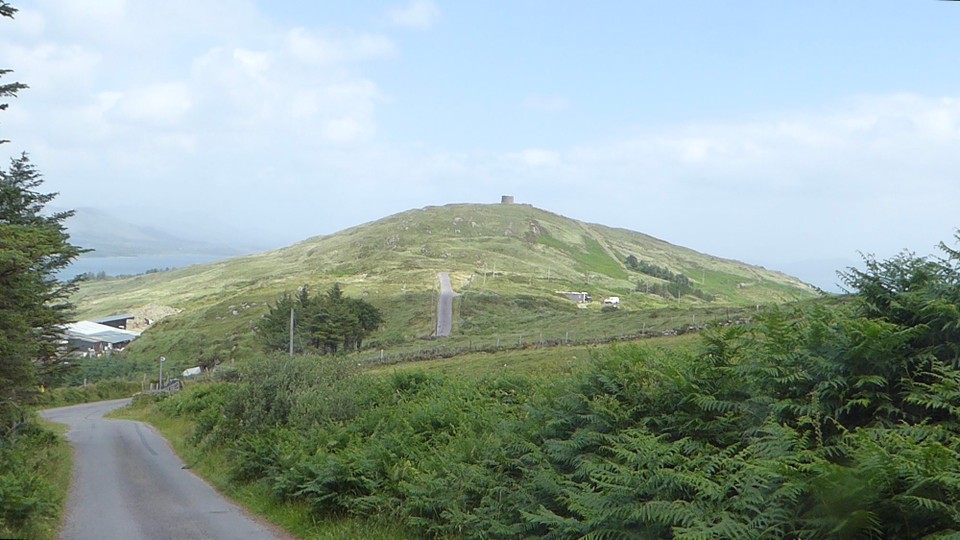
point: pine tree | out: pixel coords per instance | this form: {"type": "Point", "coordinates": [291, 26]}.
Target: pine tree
{"type": "Point", "coordinates": [34, 247]}
{"type": "Point", "coordinates": [325, 323]}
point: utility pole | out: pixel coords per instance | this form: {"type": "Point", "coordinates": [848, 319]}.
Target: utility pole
{"type": "Point", "coordinates": [162, 360]}
{"type": "Point", "coordinates": [291, 332]}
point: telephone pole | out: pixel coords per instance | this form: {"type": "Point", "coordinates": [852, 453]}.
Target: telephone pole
{"type": "Point", "coordinates": [159, 386]}
{"type": "Point", "coordinates": [291, 332]}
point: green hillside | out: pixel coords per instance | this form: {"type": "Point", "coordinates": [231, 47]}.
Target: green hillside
{"type": "Point", "coordinates": [507, 261]}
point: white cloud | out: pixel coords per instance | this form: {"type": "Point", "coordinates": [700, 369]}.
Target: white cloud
{"type": "Point", "coordinates": [51, 68]}
{"type": "Point", "coordinates": [319, 49]}
{"type": "Point", "coordinates": [345, 129]}
{"type": "Point", "coordinates": [277, 83]}
{"type": "Point", "coordinates": [30, 23]}
{"type": "Point", "coordinates": [103, 13]}
{"type": "Point", "coordinates": [546, 103]}
{"type": "Point", "coordinates": [160, 104]}
{"type": "Point", "coordinates": [217, 106]}
{"type": "Point", "coordinates": [414, 14]}
{"type": "Point", "coordinates": [253, 63]}
{"type": "Point", "coordinates": [871, 140]}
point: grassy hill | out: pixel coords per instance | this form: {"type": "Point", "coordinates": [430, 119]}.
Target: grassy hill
{"type": "Point", "coordinates": [507, 261]}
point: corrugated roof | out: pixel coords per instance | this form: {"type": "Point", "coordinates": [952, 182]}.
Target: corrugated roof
{"type": "Point", "coordinates": [91, 331]}
{"type": "Point", "coordinates": [123, 317]}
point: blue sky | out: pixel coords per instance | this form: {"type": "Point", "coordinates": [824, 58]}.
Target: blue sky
{"type": "Point", "coordinates": [786, 134]}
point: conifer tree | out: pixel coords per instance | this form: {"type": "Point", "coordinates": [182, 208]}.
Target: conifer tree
{"type": "Point", "coordinates": [34, 247]}
{"type": "Point", "coordinates": [326, 323]}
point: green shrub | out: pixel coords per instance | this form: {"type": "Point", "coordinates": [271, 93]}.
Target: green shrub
{"type": "Point", "coordinates": [29, 503]}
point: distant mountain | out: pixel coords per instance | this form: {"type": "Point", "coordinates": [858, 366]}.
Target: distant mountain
{"type": "Point", "coordinates": [510, 263]}
{"type": "Point", "coordinates": [110, 236]}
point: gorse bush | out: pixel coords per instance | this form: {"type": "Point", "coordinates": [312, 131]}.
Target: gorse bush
{"type": "Point", "coordinates": [837, 421]}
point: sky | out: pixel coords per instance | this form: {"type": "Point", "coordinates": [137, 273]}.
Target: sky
{"type": "Point", "coordinates": [793, 135]}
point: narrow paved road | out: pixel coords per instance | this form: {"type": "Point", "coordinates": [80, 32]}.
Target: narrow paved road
{"type": "Point", "coordinates": [445, 306]}
{"type": "Point", "coordinates": [127, 483]}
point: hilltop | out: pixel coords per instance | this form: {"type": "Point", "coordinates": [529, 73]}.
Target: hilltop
{"type": "Point", "coordinates": [508, 262]}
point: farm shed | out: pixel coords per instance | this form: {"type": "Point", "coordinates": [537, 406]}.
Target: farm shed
{"type": "Point", "coordinates": [94, 339]}
{"type": "Point", "coordinates": [116, 321]}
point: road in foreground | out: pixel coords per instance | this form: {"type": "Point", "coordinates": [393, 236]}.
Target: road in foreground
{"type": "Point", "coordinates": [127, 483]}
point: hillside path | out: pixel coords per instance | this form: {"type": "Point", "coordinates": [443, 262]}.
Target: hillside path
{"type": "Point", "coordinates": [445, 306]}
{"type": "Point", "coordinates": [127, 483]}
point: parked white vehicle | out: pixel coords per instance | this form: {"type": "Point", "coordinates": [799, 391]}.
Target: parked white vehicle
{"type": "Point", "coordinates": [191, 372]}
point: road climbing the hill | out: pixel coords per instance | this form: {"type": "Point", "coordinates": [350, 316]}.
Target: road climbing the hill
{"type": "Point", "coordinates": [445, 306]}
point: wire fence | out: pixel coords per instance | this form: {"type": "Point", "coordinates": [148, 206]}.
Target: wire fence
{"type": "Point", "coordinates": [508, 342]}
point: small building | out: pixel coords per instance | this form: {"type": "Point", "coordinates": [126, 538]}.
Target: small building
{"type": "Point", "coordinates": [94, 339]}
{"type": "Point", "coordinates": [116, 321]}
{"type": "Point", "coordinates": [578, 297]}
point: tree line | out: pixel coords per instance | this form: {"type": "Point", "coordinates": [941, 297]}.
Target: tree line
{"type": "Point", "coordinates": [676, 284]}
{"type": "Point", "coordinates": [325, 324]}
